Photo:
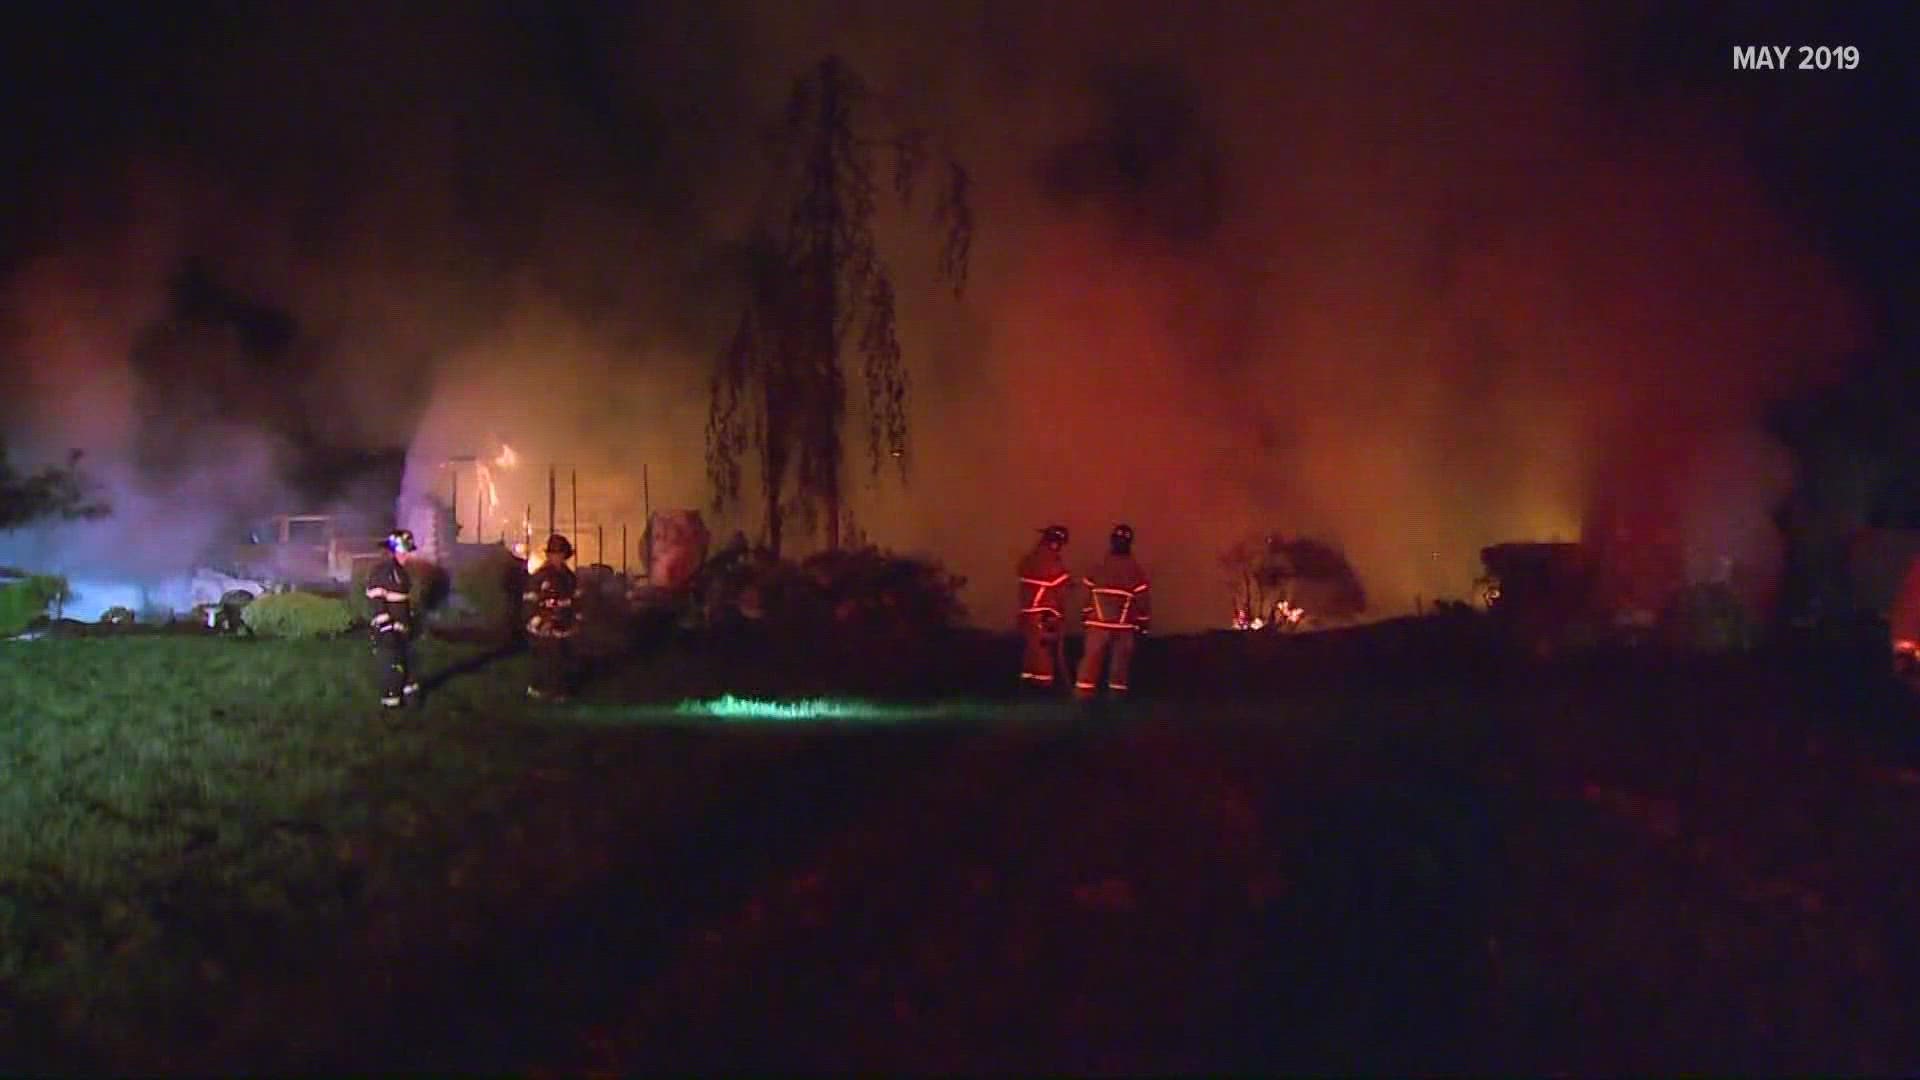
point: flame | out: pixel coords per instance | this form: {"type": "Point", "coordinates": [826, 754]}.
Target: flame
{"type": "Point", "coordinates": [1285, 615]}
{"type": "Point", "coordinates": [507, 458]}
{"type": "Point", "coordinates": [488, 487]}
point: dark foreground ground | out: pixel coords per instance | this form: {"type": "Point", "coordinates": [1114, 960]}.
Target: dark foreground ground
{"type": "Point", "coordinates": [1379, 853]}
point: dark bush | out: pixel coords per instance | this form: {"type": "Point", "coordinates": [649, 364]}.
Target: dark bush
{"type": "Point", "coordinates": [1708, 618]}
{"type": "Point", "coordinates": [432, 585]}
{"type": "Point", "coordinates": [603, 594]}
{"type": "Point", "coordinates": [864, 591]}
{"type": "Point", "coordinates": [358, 608]}
{"type": "Point", "coordinates": [730, 587]}
{"type": "Point", "coordinates": [479, 584]}
{"type": "Point", "coordinates": [874, 591]}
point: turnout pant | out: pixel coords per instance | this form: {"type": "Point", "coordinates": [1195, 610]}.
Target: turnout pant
{"type": "Point", "coordinates": [552, 666]}
{"type": "Point", "coordinates": [395, 654]}
{"type": "Point", "coordinates": [1041, 632]}
{"type": "Point", "coordinates": [1105, 645]}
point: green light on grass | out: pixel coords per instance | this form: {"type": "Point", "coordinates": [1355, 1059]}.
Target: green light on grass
{"type": "Point", "coordinates": [808, 709]}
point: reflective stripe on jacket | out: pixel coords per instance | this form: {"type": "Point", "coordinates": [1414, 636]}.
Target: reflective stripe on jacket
{"type": "Point", "coordinates": [1117, 595]}
{"type": "Point", "coordinates": [1043, 582]}
{"type": "Point", "coordinates": [551, 595]}
{"type": "Point", "coordinates": [390, 588]}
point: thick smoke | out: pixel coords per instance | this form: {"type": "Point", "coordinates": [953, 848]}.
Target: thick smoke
{"type": "Point", "coordinates": [1397, 281]}
{"type": "Point", "coordinates": [1400, 281]}
{"type": "Point", "coordinates": [419, 241]}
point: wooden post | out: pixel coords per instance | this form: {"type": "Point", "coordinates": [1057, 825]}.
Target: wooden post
{"type": "Point", "coordinates": [646, 524]}
{"type": "Point", "coordinates": [623, 549]}
{"type": "Point", "coordinates": [455, 471]}
{"type": "Point", "coordinates": [553, 475]}
{"type": "Point", "coordinates": [577, 538]}
{"type": "Point", "coordinates": [600, 543]}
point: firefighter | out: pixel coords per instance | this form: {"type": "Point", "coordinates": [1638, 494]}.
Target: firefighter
{"type": "Point", "coordinates": [1043, 585]}
{"type": "Point", "coordinates": [1118, 608]}
{"type": "Point", "coordinates": [390, 588]}
{"type": "Point", "coordinates": [553, 596]}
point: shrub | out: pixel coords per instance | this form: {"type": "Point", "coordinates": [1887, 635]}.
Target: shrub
{"type": "Point", "coordinates": [355, 604]}
{"type": "Point", "coordinates": [729, 586]}
{"type": "Point", "coordinates": [27, 599]}
{"type": "Point", "coordinates": [296, 615]}
{"type": "Point", "coordinates": [866, 591]}
{"type": "Point", "coordinates": [431, 586]}
{"type": "Point", "coordinates": [870, 590]}
{"type": "Point", "coordinates": [1708, 618]}
{"type": "Point", "coordinates": [479, 584]}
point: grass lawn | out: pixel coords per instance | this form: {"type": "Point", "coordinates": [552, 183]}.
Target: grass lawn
{"type": "Point", "coordinates": [187, 818]}
{"type": "Point", "coordinates": [180, 811]}
{"type": "Point", "coordinates": [217, 853]}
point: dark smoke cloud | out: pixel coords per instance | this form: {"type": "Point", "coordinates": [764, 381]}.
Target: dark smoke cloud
{"type": "Point", "coordinates": [1409, 281]}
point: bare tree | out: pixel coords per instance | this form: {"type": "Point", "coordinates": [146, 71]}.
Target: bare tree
{"type": "Point", "coordinates": [816, 285]}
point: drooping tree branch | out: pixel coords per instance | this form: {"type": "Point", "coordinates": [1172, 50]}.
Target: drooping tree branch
{"type": "Point", "coordinates": [780, 387]}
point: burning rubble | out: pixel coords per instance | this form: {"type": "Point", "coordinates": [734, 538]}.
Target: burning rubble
{"type": "Point", "coordinates": [1284, 584]}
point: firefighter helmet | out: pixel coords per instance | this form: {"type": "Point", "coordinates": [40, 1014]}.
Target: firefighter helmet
{"type": "Point", "coordinates": [1121, 539]}
{"type": "Point", "coordinates": [1055, 535]}
{"type": "Point", "coordinates": [401, 540]}
{"type": "Point", "coordinates": [558, 547]}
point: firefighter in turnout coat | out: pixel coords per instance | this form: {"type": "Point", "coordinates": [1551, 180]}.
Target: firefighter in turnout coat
{"type": "Point", "coordinates": [390, 588]}
{"type": "Point", "coordinates": [1043, 606]}
{"type": "Point", "coordinates": [1118, 609]}
{"type": "Point", "coordinates": [552, 598]}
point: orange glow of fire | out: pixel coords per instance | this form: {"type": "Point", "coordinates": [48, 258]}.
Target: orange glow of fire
{"type": "Point", "coordinates": [1285, 614]}
{"type": "Point", "coordinates": [489, 488]}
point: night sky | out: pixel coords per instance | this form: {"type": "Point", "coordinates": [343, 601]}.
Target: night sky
{"type": "Point", "coordinates": [1408, 279]}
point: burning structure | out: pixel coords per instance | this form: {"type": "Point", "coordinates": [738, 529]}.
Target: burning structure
{"type": "Point", "coordinates": [501, 499]}
{"type": "Point", "coordinates": [1259, 237]}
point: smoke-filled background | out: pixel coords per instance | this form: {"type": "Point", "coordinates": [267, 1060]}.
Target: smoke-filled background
{"type": "Point", "coordinates": [1400, 277]}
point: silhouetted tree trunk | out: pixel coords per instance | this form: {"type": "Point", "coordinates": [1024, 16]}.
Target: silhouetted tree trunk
{"type": "Point", "coordinates": [780, 387]}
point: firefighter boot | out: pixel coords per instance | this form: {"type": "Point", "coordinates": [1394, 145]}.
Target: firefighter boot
{"type": "Point", "coordinates": [1087, 684]}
